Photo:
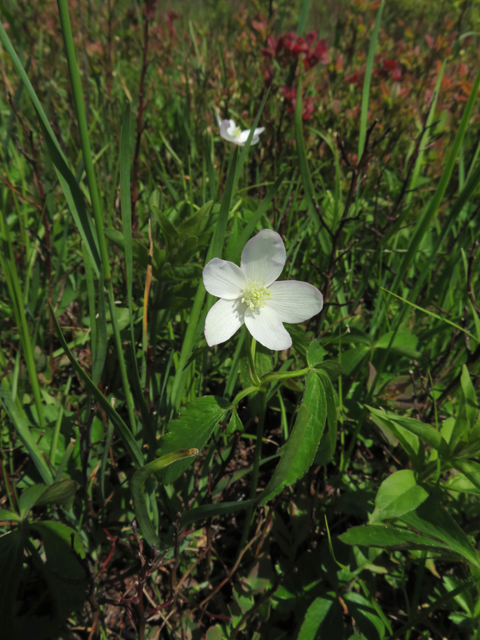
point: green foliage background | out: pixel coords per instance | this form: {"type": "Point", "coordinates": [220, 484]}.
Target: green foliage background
{"type": "Point", "coordinates": [152, 487]}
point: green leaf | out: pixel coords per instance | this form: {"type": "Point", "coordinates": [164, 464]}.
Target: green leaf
{"type": "Point", "coordinates": [29, 497]}
{"type": "Point", "coordinates": [61, 493]}
{"type": "Point", "coordinates": [5, 514]}
{"type": "Point", "coordinates": [397, 495]}
{"type": "Point", "coordinates": [365, 616]}
{"type": "Point", "coordinates": [192, 429]}
{"type": "Point", "coordinates": [328, 442]}
{"type": "Point", "coordinates": [299, 451]}
{"type": "Point", "coordinates": [372, 535]}
{"type": "Point", "coordinates": [424, 431]}
{"type": "Point", "coordinates": [235, 424]}
{"type": "Point", "coordinates": [137, 486]}
{"type": "Point", "coordinates": [324, 618]}
{"type": "Point", "coordinates": [315, 353]}
{"type": "Point", "coordinates": [433, 520]}
{"type": "Point", "coordinates": [405, 344]}
{"type": "Point", "coordinates": [469, 397]}
{"type": "Point", "coordinates": [470, 470]}
{"type": "Point", "coordinates": [21, 424]}
{"type": "Point", "coordinates": [332, 368]}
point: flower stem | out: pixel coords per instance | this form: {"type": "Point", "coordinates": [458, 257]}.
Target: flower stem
{"type": "Point", "coordinates": [251, 347]}
{"type": "Point", "coordinates": [256, 466]}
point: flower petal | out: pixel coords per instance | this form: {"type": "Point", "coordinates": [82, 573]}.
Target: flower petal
{"type": "Point", "coordinates": [224, 279]}
{"type": "Point", "coordinates": [263, 257]}
{"type": "Point", "coordinates": [266, 327]}
{"type": "Point", "coordinates": [243, 137]}
{"type": "Point", "coordinates": [295, 301]}
{"type": "Point", "coordinates": [223, 320]}
{"type": "Point", "coordinates": [225, 127]}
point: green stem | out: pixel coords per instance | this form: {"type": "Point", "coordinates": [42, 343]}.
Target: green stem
{"type": "Point", "coordinates": [251, 347]}
{"type": "Point", "coordinates": [83, 128]}
{"type": "Point", "coordinates": [94, 195]}
{"type": "Point", "coordinates": [256, 466]}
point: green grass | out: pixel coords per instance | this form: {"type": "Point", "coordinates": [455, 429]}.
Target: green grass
{"type": "Point", "coordinates": [336, 488]}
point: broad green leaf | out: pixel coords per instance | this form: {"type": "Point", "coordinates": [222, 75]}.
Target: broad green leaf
{"type": "Point", "coordinates": [470, 470]}
{"type": "Point", "coordinates": [404, 344]}
{"type": "Point", "coordinates": [397, 495]}
{"type": "Point", "coordinates": [11, 559]}
{"type": "Point", "coordinates": [424, 431]}
{"type": "Point", "coordinates": [29, 497]}
{"type": "Point", "coordinates": [299, 451]}
{"type": "Point", "coordinates": [315, 353]}
{"type": "Point", "coordinates": [61, 493]}
{"type": "Point", "coordinates": [192, 429]}
{"type": "Point", "coordinates": [408, 440]}
{"type": "Point", "coordinates": [137, 486]}
{"type": "Point", "coordinates": [324, 618]}
{"type": "Point", "coordinates": [332, 367]}
{"type": "Point", "coordinates": [373, 535]}
{"type": "Point", "coordinates": [365, 616]}
{"type": "Point", "coordinates": [434, 521]}
{"type": "Point", "coordinates": [5, 514]}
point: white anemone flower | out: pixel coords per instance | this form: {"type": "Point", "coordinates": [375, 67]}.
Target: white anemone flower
{"type": "Point", "coordinates": [250, 294]}
{"type": "Point", "coordinates": [229, 131]}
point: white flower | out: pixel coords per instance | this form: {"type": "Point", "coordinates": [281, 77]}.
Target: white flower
{"type": "Point", "coordinates": [250, 294]}
{"type": "Point", "coordinates": [230, 132]}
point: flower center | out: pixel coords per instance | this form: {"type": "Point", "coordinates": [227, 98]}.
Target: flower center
{"type": "Point", "coordinates": [255, 294]}
{"type": "Point", "coordinates": [236, 132]}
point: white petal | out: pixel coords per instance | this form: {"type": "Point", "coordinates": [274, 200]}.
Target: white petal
{"type": "Point", "coordinates": [295, 301]}
{"type": "Point", "coordinates": [263, 257]}
{"type": "Point", "coordinates": [243, 137]}
{"type": "Point", "coordinates": [223, 320]}
{"type": "Point", "coordinates": [225, 127]}
{"type": "Point", "coordinates": [224, 279]}
{"type": "Point", "coordinates": [266, 327]}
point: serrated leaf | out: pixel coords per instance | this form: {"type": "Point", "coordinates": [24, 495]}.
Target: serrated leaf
{"type": "Point", "coordinates": [191, 430]}
{"type": "Point", "coordinates": [397, 495]}
{"type": "Point", "coordinates": [299, 451]}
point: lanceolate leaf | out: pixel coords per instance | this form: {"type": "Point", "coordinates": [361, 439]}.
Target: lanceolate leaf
{"type": "Point", "coordinates": [299, 452]}
{"type": "Point", "coordinates": [433, 520]}
{"type": "Point", "coordinates": [192, 429]}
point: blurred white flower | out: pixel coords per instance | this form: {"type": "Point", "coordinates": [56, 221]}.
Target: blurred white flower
{"type": "Point", "coordinates": [234, 134]}
{"type": "Point", "coordinates": [250, 294]}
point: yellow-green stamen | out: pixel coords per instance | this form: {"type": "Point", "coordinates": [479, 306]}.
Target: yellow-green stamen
{"type": "Point", "coordinates": [255, 294]}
